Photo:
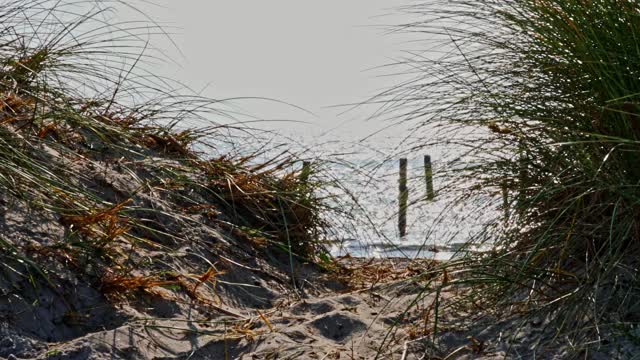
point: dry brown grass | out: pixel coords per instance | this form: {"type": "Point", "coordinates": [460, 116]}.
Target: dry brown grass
{"type": "Point", "coordinates": [367, 273]}
{"type": "Point", "coordinates": [118, 286]}
{"type": "Point", "coordinates": [104, 224]}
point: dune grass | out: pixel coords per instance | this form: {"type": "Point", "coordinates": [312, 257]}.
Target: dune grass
{"type": "Point", "coordinates": [111, 152]}
{"type": "Point", "coordinates": [541, 99]}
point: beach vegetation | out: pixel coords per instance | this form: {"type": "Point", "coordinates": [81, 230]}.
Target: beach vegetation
{"type": "Point", "coordinates": [539, 100]}
{"type": "Point", "coordinates": [127, 162]}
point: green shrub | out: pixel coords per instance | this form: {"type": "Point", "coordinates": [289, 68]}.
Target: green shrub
{"type": "Point", "coordinates": [548, 95]}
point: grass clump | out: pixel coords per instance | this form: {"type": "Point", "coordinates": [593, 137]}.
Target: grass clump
{"type": "Point", "coordinates": [281, 207]}
{"type": "Point", "coordinates": [541, 98]}
{"type": "Point", "coordinates": [91, 143]}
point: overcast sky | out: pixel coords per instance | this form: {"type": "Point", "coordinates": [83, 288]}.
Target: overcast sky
{"type": "Point", "coordinates": [311, 53]}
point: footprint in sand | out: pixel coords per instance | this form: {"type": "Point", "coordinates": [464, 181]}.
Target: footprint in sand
{"type": "Point", "coordinates": [316, 308]}
{"type": "Point", "coordinates": [338, 326]}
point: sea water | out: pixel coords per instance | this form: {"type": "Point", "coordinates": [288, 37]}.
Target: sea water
{"type": "Point", "coordinates": [361, 182]}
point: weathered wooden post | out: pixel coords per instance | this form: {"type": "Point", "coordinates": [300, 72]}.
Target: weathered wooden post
{"type": "Point", "coordinates": [428, 177]}
{"type": "Point", "coordinates": [522, 177]}
{"type": "Point", "coordinates": [403, 198]}
{"type": "Point", "coordinates": [305, 172]}
{"type": "Point", "coordinates": [505, 200]}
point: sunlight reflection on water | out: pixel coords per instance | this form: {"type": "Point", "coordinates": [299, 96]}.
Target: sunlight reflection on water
{"type": "Point", "coordinates": [361, 179]}
{"type": "Point", "coordinates": [367, 174]}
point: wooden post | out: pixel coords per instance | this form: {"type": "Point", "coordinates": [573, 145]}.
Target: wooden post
{"type": "Point", "coordinates": [428, 177]}
{"type": "Point", "coordinates": [505, 201]}
{"type": "Point", "coordinates": [305, 172]}
{"type": "Point", "coordinates": [522, 177]}
{"type": "Point", "coordinates": [403, 198]}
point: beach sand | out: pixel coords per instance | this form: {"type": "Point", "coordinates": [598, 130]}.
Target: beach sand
{"type": "Point", "coordinates": [214, 291]}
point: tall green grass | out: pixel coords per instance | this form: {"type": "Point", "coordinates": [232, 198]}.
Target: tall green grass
{"type": "Point", "coordinates": [541, 98]}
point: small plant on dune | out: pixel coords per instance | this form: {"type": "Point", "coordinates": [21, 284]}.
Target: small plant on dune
{"type": "Point", "coordinates": [544, 97]}
{"type": "Point", "coordinates": [283, 208]}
